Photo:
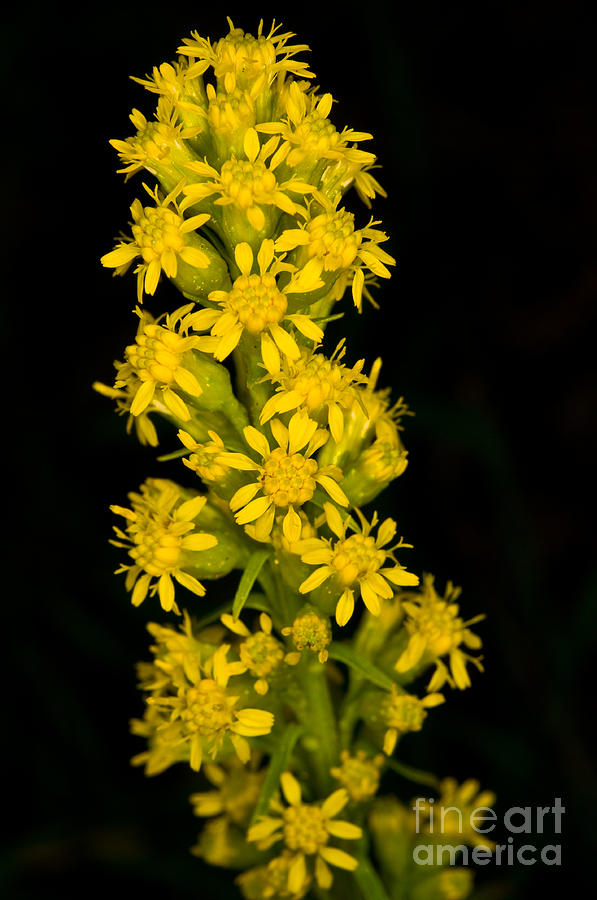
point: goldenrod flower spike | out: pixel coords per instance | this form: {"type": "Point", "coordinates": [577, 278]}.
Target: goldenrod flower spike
{"type": "Point", "coordinates": [247, 219]}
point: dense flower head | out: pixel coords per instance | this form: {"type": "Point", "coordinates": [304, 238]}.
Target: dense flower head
{"type": "Point", "coordinates": [260, 652]}
{"type": "Point", "coordinates": [240, 58]}
{"type": "Point", "coordinates": [196, 712]}
{"type": "Point", "coordinates": [249, 185]}
{"type": "Point", "coordinates": [310, 630]}
{"type": "Point", "coordinates": [257, 305]}
{"type": "Point", "coordinates": [306, 829]}
{"type": "Point", "coordinates": [435, 630]}
{"type": "Point", "coordinates": [322, 386]}
{"type": "Point", "coordinates": [288, 476]}
{"type": "Point", "coordinates": [161, 237]}
{"type": "Point", "coordinates": [359, 774]}
{"type": "Point", "coordinates": [404, 712]}
{"type": "Point", "coordinates": [330, 237]}
{"type": "Point", "coordinates": [162, 540]}
{"type": "Point", "coordinates": [158, 146]}
{"type": "Point", "coordinates": [355, 563]}
{"type": "Point", "coordinates": [157, 367]}
{"type": "Point", "coordinates": [272, 880]}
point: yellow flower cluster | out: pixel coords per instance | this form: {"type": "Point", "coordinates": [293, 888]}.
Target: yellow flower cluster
{"type": "Point", "coordinates": [270, 696]}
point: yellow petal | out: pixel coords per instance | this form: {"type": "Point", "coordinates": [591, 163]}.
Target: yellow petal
{"type": "Point", "coordinates": [334, 803]}
{"type": "Point", "coordinates": [291, 788]}
{"type": "Point", "coordinates": [315, 579]}
{"type": "Point", "coordinates": [244, 257]}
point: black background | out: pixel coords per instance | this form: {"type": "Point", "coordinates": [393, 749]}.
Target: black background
{"type": "Point", "coordinates": [485, 124]}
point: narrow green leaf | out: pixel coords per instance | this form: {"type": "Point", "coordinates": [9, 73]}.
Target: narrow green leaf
{"type": "Point", "coordinates": [412, 774]}
{"type": "Point", "coordinates": [248, 579]}
{"type": "Point", "coordinates": [345, 654]}
{"type": "Point", "coordinates": [278, 764]}
{"type": "Point", "coordinates": [369, 881]}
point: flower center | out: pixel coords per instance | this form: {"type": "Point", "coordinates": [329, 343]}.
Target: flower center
{"type": "Point", "coordinates": [441, 627]}
{"type": "Point", "coordinates": [243, 54]}
{"type": "Point", "coordinates": [356, 556]}
{"type": "Point", "coordinates": [156, 140]}
{"type": "Point", "coordinates": [156, 353]}
{"type": "Point", "coordinates": [288, 478]}
{"type": "Point", "coordinates": [315, 135]}
{"type": "Point", "coordinates": [157, 230]}
{"type": "Point", "coordinates": [405, 712]}
{"type": "Point", "coordinates": [304, 828]}
{"type": "Point", "coordinates": [227, 112]}
{"type": "Point", "coordinates": [261, 653]}
{"type": "Point", "coordinates": [359, 776]}
{"type": "Point", "coordinates": [156, 548]}
{"type": "Point", "coordinates": [208, 709]}
{"type": "Point", "coordinates": [318, 380]}
{"type": "Point", "coordinates": [247, 183]}
{"type": "Point", "coordinates": [312, 632]}
{"type": "Point", "coordinates": [257, 302]}
{"type": "Point", "coordinates": [334, 239]}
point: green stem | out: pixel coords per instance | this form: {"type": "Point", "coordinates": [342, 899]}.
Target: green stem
{"type": "Point", "coordinates": [320, 722]}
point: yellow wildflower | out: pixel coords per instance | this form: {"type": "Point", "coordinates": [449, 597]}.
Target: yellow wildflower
{"type": "Point", "coordinates": [157, 146]}
{"type": "Point", "coordinates": [159, 541]}
{"type": "Point", "coordinates": [288, 476]}
{"type": "Point", "coordinates": [453, 812]}
{"type": "Point", "coordinates": [310, 630]}
{"type": "Point", "coordinates": [331, 238]}
{"type": "Point", "coordinates": [306, 829]}
{"type": "Point", "coordinates": [355, 563]}
{"type": "Point", "coordinates": [236, 791]}
{"type": "Point", "coordinates": [257, 305]}
{"type": "Point", "coordinates": [321, 386]}
{"type": "Point", "coordinates": [179, 83]}
{"type": "Point", "coordinates": [161, 236]}
{"type": "Point", "coordinates": [248, 184]}
{"type": "Point", "coordinates": [204, 458]}
{"type": "Point", "coordinates": [436, 630]}
{"type": "Point", "coordinates": [359, 774]}
{"type": "Point", "coordinates": [158, 365]}
{"type": "Point", "coordinates": [240, 58]}
{"type": "Point", "coordinates": [308, 134]}
{"type": "Point", "coordinates": [199, 712]}
{"type": "Point", "coordinates": [404, 712]}
{"type": "Point", "coordinates": [260, 653]}
{"type": "Point", "coordinates": [271, 881]}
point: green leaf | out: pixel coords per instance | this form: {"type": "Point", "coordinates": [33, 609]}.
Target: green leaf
{"type": "Point", "coordinates": [248, 579]}
{"type": "Point", "coordinates": [412, 774]}
{"type": "Point", "coordinates": [278, 764]}
{"type": "Point", "coordinates": [369, 881]}
{"type": "Point", "coordinates": [345, 654]}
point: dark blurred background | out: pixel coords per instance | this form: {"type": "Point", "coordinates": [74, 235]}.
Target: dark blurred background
{"type": "Point", "coordinates": [485, 123]}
